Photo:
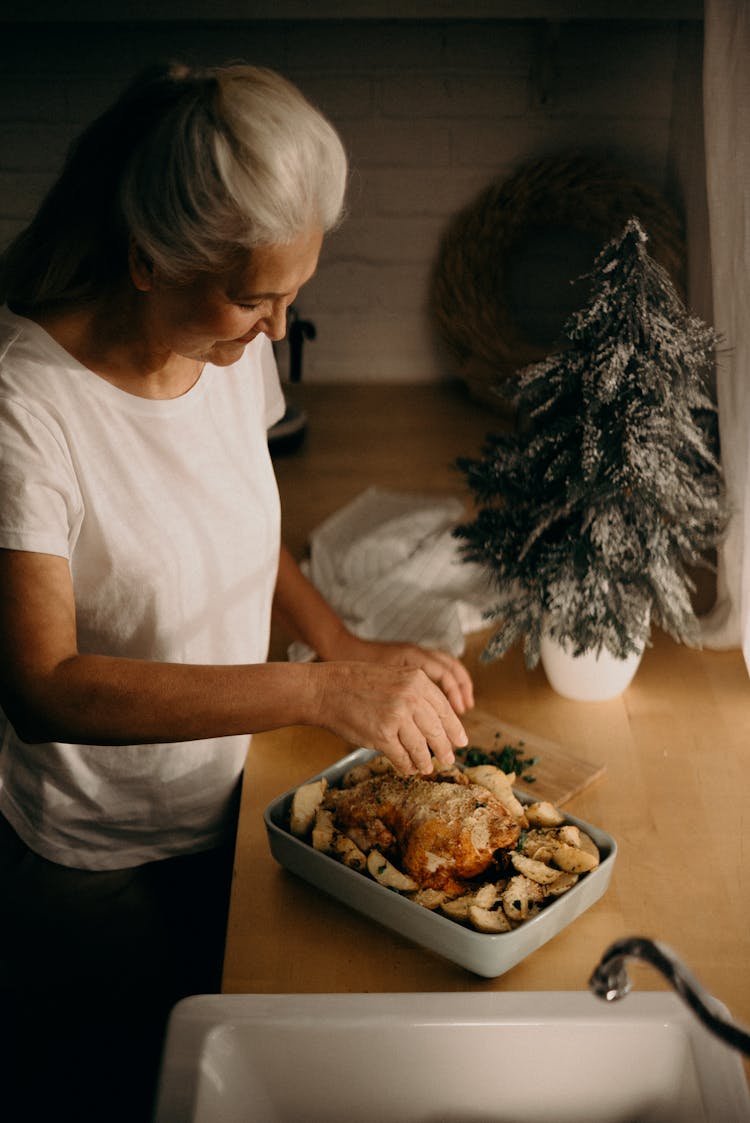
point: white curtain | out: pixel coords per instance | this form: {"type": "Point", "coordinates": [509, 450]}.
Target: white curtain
{"type": "Point", "coordinates": [726, 93]}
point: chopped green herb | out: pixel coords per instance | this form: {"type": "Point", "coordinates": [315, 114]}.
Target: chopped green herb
{"type": "Point", "coordinates": [509, 758]}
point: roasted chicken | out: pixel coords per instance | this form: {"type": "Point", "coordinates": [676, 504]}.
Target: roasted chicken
{"type": "Point", "coordinates": [443, 832]}
{"type": "Point", "coordinates": [459, 841]}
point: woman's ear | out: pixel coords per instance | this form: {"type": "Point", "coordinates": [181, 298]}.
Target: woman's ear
{"type": "Point", "coordinates": [141, 267]}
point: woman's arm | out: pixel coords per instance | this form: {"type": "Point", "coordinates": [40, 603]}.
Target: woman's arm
{"type": "Point", "coordinates": [50, 691]}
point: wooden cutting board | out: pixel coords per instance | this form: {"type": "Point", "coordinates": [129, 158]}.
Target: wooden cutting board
{"type": "Point", "coordinates": [558, 775]}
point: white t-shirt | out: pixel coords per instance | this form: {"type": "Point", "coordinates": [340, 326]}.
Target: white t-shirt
{"type": "Point", "coordinates": [168, 511]}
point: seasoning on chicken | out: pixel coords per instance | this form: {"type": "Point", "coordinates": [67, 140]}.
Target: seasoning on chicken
{"type": "Point", "coordinates": [439, 832]}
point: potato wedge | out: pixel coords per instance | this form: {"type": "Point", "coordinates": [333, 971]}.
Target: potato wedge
{"type": "Point", "coordinates": [305, 802]}
{"type": "Point", "coordinates": [542, 853]}
{"type": "Point", "coordinates": [522, 897]}
{"type": "Point", "coordinates": [385, 873]}
{"type": "Point", "coordinates": [543, 814]}
{"type": "Point", "coordinates": [538, 844]}
{"type": "Point", "coordinates": [587, 843]}
{"type": "Point", "coordinates": [491, 921]}
{"type": "Point", "coordinates": [569, 834]}
{"type": "Point", "coordinates": [484, 897]}
{"type": "Point", "coordinates": [457, 908]}
{"type": "Point", "coordinates": [574, 860]}
{"type": "Point", "coordinates": [537, 871]}
{"type": "Point", "coordinates": [429, 898]}
{"type": "Point", "coordinates": [501, 785]}
{"type": "Point", "coordinates": [562, 883]}
{"type": "Point", "coordinates": [348, 852]}
{"type": "Point", "coordinates": [324, 831]}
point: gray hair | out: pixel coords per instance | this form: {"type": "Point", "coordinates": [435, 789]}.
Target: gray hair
{"type": "Point", "coordinates": [195, 167]}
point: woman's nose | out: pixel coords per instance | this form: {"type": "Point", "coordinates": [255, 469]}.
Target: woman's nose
{"type": "Point", "coordinates": [274, 324]}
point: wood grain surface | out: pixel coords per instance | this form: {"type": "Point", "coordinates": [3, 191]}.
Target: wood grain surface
{"type": "Point", "coordinates": [675, 748]}
{"type": "Point", "coordinates": [553, 773]}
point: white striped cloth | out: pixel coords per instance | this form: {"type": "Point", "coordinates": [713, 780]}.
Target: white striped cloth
{"type": "Point", "coordinates": [388, 564]}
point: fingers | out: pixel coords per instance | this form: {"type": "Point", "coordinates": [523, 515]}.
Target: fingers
{"type": "Point", "coordinates": [449, 734]}
{"type": "Point", "coordinates": [434, 732]}
{"type": "Point", "coordinates": [415, 756]}
{"type": "Point", "coordinates": [398, 710]}
{"type": "Point", "coordinates": [452, 677]}
{"type": "Point", "coordinates": [426, 730]}
{"type": "Point", "coordinates": [444, 669]}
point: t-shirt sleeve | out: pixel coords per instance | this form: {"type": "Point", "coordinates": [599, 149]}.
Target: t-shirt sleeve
{"type": "Point", "coordinates": [275, 404]}
{"type": "Point", "coordinates": [40, 504]}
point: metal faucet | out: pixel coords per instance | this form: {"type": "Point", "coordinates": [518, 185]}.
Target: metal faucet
{"type": "Point", "coordinates": [610, 981]}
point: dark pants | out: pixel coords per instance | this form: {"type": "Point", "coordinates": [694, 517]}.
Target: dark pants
{"type": "Point", "coordinates": [90, 965]}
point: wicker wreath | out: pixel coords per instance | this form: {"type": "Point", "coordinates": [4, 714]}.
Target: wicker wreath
{"type": "Point", "coordinates": [469, 288]}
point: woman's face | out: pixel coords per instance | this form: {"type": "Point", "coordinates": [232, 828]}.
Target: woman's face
{"type": "Point", "coordinates": [214, 317]}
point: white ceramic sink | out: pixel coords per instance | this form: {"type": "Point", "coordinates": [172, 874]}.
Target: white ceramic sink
{"type": "Point", "coordinates": [536, 1057]}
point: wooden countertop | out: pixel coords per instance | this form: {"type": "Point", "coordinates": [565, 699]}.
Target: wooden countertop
{"type": "Point", "coordinates": [676, 747]}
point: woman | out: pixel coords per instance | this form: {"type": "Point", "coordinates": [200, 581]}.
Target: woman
{"type": "Point", "coordinates": [140, 563]}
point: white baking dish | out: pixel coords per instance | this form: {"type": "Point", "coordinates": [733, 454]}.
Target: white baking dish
{"type": "Point", "coordinates": [488, 955]}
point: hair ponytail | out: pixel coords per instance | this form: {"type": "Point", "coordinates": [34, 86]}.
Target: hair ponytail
{"type": "Point", "coordinates": [194, 166]}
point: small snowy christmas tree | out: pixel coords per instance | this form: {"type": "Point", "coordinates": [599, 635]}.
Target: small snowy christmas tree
{"type": "Point", "coordinates": [590, 516]}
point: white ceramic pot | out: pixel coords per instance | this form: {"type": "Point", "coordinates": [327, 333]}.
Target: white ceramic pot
{"type": "Point", "coordinates": [590, 677]}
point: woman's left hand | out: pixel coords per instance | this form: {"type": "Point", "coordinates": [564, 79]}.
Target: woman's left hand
{"type": "Point", "coordinates": [445, 670]}
{"type": "Point", "coordinates": [306, 615]}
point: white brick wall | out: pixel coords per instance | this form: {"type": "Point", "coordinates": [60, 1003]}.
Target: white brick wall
{"type": "Point", "coordinates": [429, 110]}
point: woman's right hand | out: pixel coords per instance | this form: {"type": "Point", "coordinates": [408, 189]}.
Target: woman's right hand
{"type": "Point", "coordinates": [397, 710]}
